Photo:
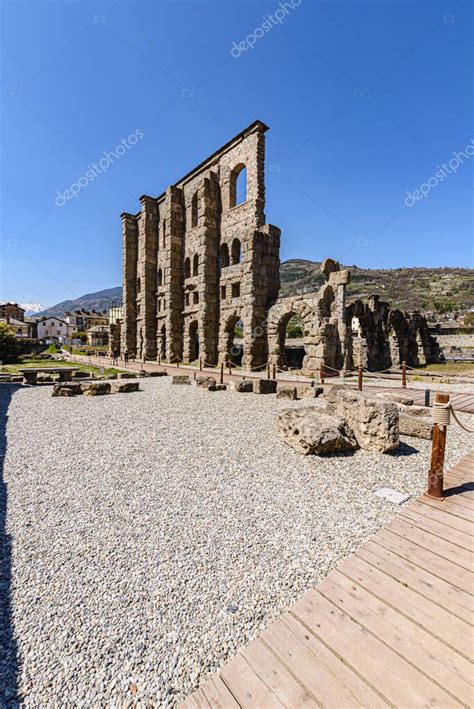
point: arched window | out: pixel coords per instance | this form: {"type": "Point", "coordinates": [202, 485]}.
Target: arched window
{"type": "Point", "coordinates": [195, 265]}
{"type": "Point", "coordinates": [224, 256]}
{"type": "Point", "coordinates": [187, 268]}
{"type": "Point", "coordinates": [236, 252]}
{"type": "Point", "coordinates": [238, 185]}
{"type": "Point", "coordinates": [160, 278]}
{"type": "Point", "coordinates": [194, 210]}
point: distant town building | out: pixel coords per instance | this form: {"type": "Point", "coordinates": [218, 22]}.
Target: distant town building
{"type": "Point", "coordinates": [12, 310]}
{"type": "Point", "coordinates": [20, 328]}
{"type": "Point", "coordinates": [98, 336]}
{"type": "Point", "coordinates": [53, 328]}
{"type": "Point", "coordinates": [83, 320]}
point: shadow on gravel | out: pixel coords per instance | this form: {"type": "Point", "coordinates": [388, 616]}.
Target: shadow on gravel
{"type": "Point", "coordinates": [8, 648]}
{"type": "Point", "coordinates": [403, 450]}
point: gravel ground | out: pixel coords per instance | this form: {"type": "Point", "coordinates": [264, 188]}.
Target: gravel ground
{"type": "Point", "coordinates": [154, 533]}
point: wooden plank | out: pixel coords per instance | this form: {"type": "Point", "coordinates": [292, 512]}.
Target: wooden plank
{"type": "Point", "coordinates": [445, 667]}
{"type": "Point", "coordinates": [437, 512]}
{"type": "Point", "coordinates": [431, 526]}
{"type": "Point", "coordinates": [217, 694]}
{"type": "Point", "coordinates": [407, 574]}
{"type": "Point", "coordinates": [428, 560]}
{"type": "Point", "coordinates": [446, 506]}
{"type": "Point", "coordinates": [275, 674]}
{"type": "Point", "coordinates": [329, 688]}
{"type": "Point", "coordinates": [446, 549]}
{"type": "Point", "coordinates": [426, 614]}
{"type": "Point", "coordinates": [359, 690]}
{"type": "Point", "coordinates": [247, 688]}
{"type": "Point", "coordinates": [397, 680]}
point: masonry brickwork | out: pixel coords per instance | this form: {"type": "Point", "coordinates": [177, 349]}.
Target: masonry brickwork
{"type": "Point", "coordinates": [198, 260]}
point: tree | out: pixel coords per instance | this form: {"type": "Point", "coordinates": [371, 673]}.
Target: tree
{"type": "Point", "coordinates": [9, 345]}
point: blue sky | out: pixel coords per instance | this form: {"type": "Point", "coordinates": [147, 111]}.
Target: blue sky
{"type": "Point", "coordinates": [364, 101]}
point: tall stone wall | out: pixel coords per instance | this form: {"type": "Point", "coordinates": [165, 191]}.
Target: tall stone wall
{"type": "Point", "coordinates": [197, 261]}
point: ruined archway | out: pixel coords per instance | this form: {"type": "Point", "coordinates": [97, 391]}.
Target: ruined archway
{"type": "Point", "coordinates": [231, 339]}
{"type": "Point", "coordinates": [193, 344]}
{"type": "Point", "coordinates": [279, 316]}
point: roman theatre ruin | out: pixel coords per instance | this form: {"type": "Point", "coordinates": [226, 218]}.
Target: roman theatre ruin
{"type": "Point", "coordinates": [201, 269]}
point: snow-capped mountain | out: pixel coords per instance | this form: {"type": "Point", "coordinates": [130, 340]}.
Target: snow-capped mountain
{"type": "Point", "coordinates": [32, 308]}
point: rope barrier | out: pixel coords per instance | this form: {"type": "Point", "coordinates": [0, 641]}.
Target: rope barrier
{"type": "Point", "coordinates": [468, 430]}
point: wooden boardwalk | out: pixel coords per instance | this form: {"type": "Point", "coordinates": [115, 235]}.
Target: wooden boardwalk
{"type": "Point", "coordinates": [390, 627]}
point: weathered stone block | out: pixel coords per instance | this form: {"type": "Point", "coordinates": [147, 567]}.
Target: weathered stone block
{"type": "Point", "coordinates": [397, 397]}
{"type": "Point", "coordinates": [415, 426]}
{"type": "Point", "coordinates": [96, 388]}
{"type": "Point", "coordinates": [124, 387]}
{"type": "Point", "coordinates": [287, 393]}
{"type": "Point", "coordinates": [180, 379]}
{"type": "Point", "coordinates": [205, 382]}
{"type": "Point", "coordinates": [126, 375]}
{"type": "Point", "coordinates": [311, 432]}
{"type": "Point", "coordinates": [309, 392]}
{"type": "Point", "coordinates": [374, 422]}
{"type": "Point", "coordinates": [245, 386]}
{"type": "Point", "coordinates": [217, 387]}
{"type": "Point", "coordinates": [264, 386]}
{"type": "Point", "coordinates": [158, 373]}
{"type": "Point", "coordinates": [81, 374]}
{"type": "Point", "coordinates": [65, 389]}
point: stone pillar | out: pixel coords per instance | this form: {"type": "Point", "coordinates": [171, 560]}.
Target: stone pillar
{"type": "Point", "coordinates": [146, 272]}
{"type": "Point", "coordinates": [174, 216]}
{"type": "Point", "coordinates": [129, 296]}
{"type": "Point", "coordinates": [208, 284]}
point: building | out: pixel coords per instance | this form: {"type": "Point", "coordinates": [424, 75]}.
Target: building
{"type": "Point", "coordinates": [53, 328]}
{"type": "Point", "coordinates": [20, 328]}
{"type": "Point", "coordinates": [83, 320]}
{"type": "Point", "coordinates": [98, 336]}
{"type": "Point", "coordinates": [200, 263]}
{"type": "Point", "coordinates": [12, 310]}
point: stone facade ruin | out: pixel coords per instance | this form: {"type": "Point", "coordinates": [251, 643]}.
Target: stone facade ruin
{"type": "Point", "coordinates": [200, 259]}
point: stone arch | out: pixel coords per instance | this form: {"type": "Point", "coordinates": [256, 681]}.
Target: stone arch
{"type": "Point", "coordinates": [224, 258]}
{"type": "Point", "coordinates": [326, 301]}
{"type": "Point", "coordinates": [229, 351]}
{"type": "Point", "coordinates": [236, 252]}
{"type": "Point", "coordinates": [162, 342]}
{"type": "Point", "coordinates": [187, 267]}
{"type": "Point", "coordinates": [194, 210]}
{"type": "Point", "coordinates": [278, 318]}
{"type": "Point", "coordinates": [238, 185]}
{"type": "Point", "coordinates": [193, 341]}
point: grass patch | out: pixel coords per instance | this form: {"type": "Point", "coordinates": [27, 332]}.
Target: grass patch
{"type": "Point", "coordinates": [40, 363]}
{"type": "Point", "coordinates": [449, 368]}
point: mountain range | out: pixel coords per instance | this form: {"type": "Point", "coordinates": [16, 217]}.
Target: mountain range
{"type": "Point", "coordinates": [432, 290]}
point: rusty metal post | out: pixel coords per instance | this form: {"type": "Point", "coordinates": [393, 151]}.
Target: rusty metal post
{"type": "Point", "coordinates": [438, 447]}
{"type": "Point", "coordinates": [404, 375]}
{"type": "Point", "coordinates": [321, 372]}
{"type": "Point", "coordinates": [221, 380]}
{"type": "Point", "coordinates": [229, 367]}
{"type": "Point", "coordinates": [268, 371]}
{"type": "Point", "coordinates": [359, 378]}
{"type": "Point", "coordinates": [159, 358]}
{"type": "Point", "coordinates": [274, 371]}
{"type": "Point", "coordinates": [177, 362]}
{"type": "Point", "coordinates": [200, 364]}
